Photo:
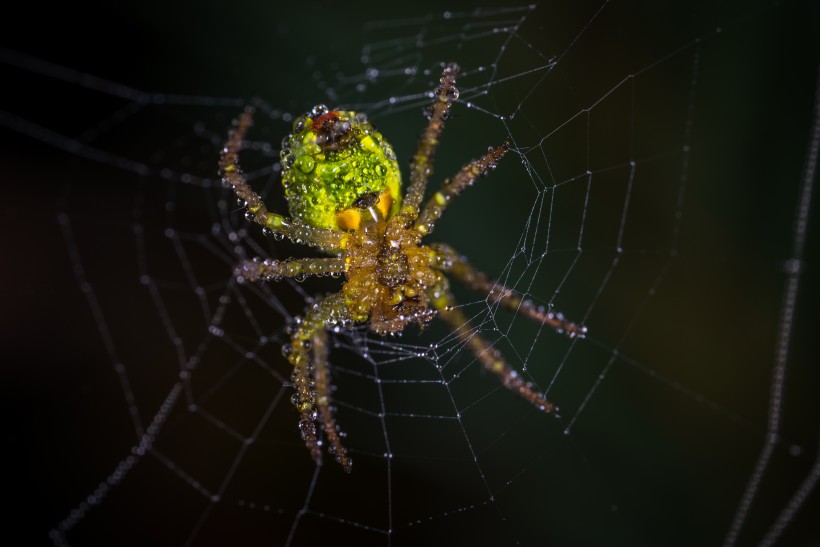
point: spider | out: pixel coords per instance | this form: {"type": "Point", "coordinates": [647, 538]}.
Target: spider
{"type": "Point", "coordinates": [342, 184]}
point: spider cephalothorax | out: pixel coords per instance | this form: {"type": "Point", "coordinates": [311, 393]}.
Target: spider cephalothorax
{"type": "Point", "coordinates": [389, 276]}
{"type": "Point", "coordinates": [342, 184]}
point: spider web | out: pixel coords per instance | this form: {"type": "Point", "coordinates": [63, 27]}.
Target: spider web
{"type": "Point", "coordinates": [658, 189]}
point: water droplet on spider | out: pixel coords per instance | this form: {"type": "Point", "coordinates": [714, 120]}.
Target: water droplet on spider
{"type": "Point", "coordinates": [300, 277]}
{"type": "Point", "coordinates": [318, 110]}
{"type": "Point", "coordinates": [249, 216]}
{"type": "Point", "coordinates": [452, 94]}
{"type": "Point", "coordinates": [299, 124]}
{"type": "Point", "coordinates": [267, 232]}
{"type": "Point", "coordinates": [304, 163]}
{"type": "Point", "coordinates": [278, 236]}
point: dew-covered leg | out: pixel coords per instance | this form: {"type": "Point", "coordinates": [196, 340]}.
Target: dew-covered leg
{"type": "Point", "coordinates": [321, 375]}
{"type": "Point", "coordinates": [421, 166]}
{"type": "Point", "coordinates": [489, 357]}
{"type": "Point", "coordinates": [310, 376]}
{"type": "Point", "coordinates": [255, 210]}
{"type": "Point", "coordinates": [448, 260]}
{"type": "Point", "coordinates": [298, 268]}
{"type": "Point", "coordinates": [451, 188]}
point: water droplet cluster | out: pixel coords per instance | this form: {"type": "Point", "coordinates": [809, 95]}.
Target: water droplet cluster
{"type": "Point", "coordinates": [330, 160]}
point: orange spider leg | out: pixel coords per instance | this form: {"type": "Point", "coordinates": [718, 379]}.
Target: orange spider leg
{"type": "Point", "coordinates": [448, 260]}
{"type": "Point", "coordinates": [489, 357]}
{"type": "Point", "coordinates": [451, 188]}
{"type": "Point", "coordinates": [321, 375]}
{"type": "Point", "coordinates": [307, 353]}
{"type": "Point", "coordinates": [421, 166]}
{"type": "Point", "coordinates": [274, 270]}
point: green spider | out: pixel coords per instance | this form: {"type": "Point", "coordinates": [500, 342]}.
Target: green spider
{"type": "Point", "coordinates": [342, 184]}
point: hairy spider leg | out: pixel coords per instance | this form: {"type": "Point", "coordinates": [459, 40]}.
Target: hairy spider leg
{"type": "Point", "coordinates": [455, 264]}
{"type": "Point", "coordinates": [255, 210]}
{"type": "Point", "coordinates": [448, 260]}
{"type": "Point", "coordinates": [489, 357]}
{"type": "Point", "coordinates": [451, 188]}
{"type": "Point", "coordinates": [298, 268]}
{"type": "Point", "coordinates": [307, 352]}
{"type": "Point", "coordinates": [421, 166]}
{"type": "Point", "coordinates": [321, 375]}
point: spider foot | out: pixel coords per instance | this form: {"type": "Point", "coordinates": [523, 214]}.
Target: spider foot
{"type": "Point", "coordinates": [304, 400]}
{"type": "Point", "coordinates": [513, 381]}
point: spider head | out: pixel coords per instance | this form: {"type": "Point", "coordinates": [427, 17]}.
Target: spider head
{"type": "Point", "coordinates": [338, 170]}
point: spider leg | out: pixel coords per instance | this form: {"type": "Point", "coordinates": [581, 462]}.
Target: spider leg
{"type": "Point", "coordinates": [451, 262]}
{"type": "Point", "coordinates": [276, 224]}
{"type": "Point", "coordinates": [451, 188]}
{"type": "Point", "coordinates": [489, 357]}
{"type": "Point", "coordinates": [274, 270]}
{"type": "Point", "coordinates": [321, 375]}
{"type": "Point", "coordinates": [421, 166]}
{"type": "Point", "coordinates": [307, 352]}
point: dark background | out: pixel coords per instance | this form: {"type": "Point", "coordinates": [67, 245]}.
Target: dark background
{"type": "Point", "coordinates": [659, 456]}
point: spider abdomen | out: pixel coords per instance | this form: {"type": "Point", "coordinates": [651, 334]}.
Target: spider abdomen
{"type": "Point", "coordinates": [330, 162]}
